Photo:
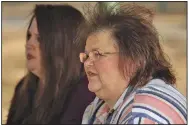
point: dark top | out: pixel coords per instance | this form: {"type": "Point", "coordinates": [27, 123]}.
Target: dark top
{"type": "Point", "coordinates": [80, 98]}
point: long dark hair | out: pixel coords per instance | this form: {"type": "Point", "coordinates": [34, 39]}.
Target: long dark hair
{"type": "Point", "coordinates": [58, 27]}
{"type": "Point", "coordinates": [131, 25]}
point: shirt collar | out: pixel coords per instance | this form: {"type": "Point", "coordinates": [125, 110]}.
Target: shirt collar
{"type": "Point", "coordinates": [104, 109]}
{"type": "Point", "coordinates": [121, 99]}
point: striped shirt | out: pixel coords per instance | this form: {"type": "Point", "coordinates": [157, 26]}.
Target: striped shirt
{"type": "Point", "coordinates": [154, 103]}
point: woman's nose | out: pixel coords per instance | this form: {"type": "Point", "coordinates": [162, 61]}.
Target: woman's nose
{"type": "Point", "coordinates": [29, 46]}
{"type": "Point", "coordinates": [89, 62]}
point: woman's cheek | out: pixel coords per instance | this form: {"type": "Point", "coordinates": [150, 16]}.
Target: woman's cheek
{"type": "Point", "coordinates": [107, 66]}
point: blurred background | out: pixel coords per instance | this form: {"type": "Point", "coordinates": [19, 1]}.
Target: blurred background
{"type": "Point", "coordinates": [170, 21]}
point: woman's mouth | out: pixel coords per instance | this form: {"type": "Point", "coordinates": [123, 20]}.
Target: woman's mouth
{"type": "Point", "coordinates": [30, 56]}
{"type": "Point", "coordinates": [91, 74]}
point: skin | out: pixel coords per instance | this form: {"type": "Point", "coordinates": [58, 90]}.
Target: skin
{"type": "Point", "coordinates": [33, 48]}
{"type": "Point", "coordinates": [108, 83]}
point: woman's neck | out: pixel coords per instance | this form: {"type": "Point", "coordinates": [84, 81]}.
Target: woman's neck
{"type": "Point", "coordinates": [111, 102]}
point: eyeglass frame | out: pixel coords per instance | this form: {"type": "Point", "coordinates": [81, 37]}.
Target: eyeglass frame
{"type": "Point", "coordinates": [99, 55]}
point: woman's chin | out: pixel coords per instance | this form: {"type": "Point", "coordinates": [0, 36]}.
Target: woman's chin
{"type": "Point", "coordinates": [34, 71]}
{"type": "Point", "coordinates": [94, 87]}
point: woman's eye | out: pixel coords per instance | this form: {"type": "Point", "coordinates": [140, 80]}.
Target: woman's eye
{"type": "Point", "coordinates": [98, 53]}
{"type": "Point", "coordinates": [28, 36]}
{"type": "Point", "coordinates": [38, 38]}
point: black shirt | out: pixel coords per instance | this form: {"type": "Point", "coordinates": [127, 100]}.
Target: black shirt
{"type": "Point", "coordinates": [80, 98]}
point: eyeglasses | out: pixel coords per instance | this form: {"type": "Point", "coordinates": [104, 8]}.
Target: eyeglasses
{"type": "Point", "coordinates": [94, 55]}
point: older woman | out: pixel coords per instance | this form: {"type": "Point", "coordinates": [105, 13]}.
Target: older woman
{"type": "Point", "coordinates": [128, 72]}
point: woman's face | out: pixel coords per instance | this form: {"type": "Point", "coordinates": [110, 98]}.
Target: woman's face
{"type": "Point", "coordinates": [33, 50]}
{"type": "Point", "coordinates": [105, 79]}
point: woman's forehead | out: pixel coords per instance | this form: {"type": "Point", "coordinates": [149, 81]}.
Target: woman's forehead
{"type": "Point", "coordinates": [102, 40]}
{"type": "Point", "coordinates": [33, 27]}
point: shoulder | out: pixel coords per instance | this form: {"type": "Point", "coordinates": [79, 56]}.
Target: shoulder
{"type": "Point", "coordinates": [158, 102]}
{"type": "Point", "coordinates": [19, 84]}
{"type": "Point", "coordinates": [79, 99]}
{"type": "Point", "coordinates": [14, 102]}
{"type": "Point", "coordinates": [87, 113]}
{"type": "Point", "coordinates": [160, 92]}
{"type": "Point", "coordinates": [16, 94]}
{"type": "Point", "coordinates": [90, 110]}
{"type": "Point", "coordinates": [17, 89]}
